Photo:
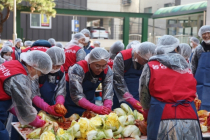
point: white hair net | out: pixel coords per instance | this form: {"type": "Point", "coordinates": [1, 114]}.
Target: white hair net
{"type": "Point", "coordinates": [85, 32]}
{"type": "Point", "coordinates": [74, 40]}
{"type": "Point", "coordinates": [132, 44]}
{"type": "Point", "coordinates": [39, 60]}
{"type": "Point", "coordinates": [52, 41]}
{"type": "Point", "coordinates": [28, 43]}
{"type": "Point", "coordinates": [6, 49]}
{"type": "Point", "coordinates": [18, 40]}
{"type": "Point", "coordinates": [145, 50]}
{"type": "Point", "coordinates": [185, 50]}
{"type": "Point", "coordinates": [97, 42]}
{"type": "Point", "coordinates": [166, 44]}
{"type": "Point", "coordinates": [59, 44]}
{"type": "Point", "coordinates": [97, 54]}
{"type": "Point", "coordinates": [8, 43]}
{"type": "Point", "coordinates": [57, 55]}
{"type": "Point", "coordinates": [195, 40]}
{"type": "Point", "coordinates": [116, 48]}
{"type": "Point", "coordinates": [203, 29]}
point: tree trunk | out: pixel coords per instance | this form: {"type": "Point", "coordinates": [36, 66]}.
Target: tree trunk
{"type": "Point", "coordinates": [2, 19]}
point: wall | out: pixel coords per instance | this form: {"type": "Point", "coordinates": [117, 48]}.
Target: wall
{"type": "Point", "coordinates": [61, 25]}
{"type": "Point", "coordinates": [190, 1]}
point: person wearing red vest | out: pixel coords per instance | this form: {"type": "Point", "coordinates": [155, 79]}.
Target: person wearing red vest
{"type": "Point", "coordinates": [15, 88]}
{"type": "Point", "coordinates": [87, 46]}
{"type": "Point", "coordinates": [50, 89]}
{"type": "Point", "coordinates": [167, 91]}
{"type": "Point", "coordinates": [14, 55]}
{"type": "Point", "coordinates": [114, 50]}
{"type": "Point", "coordinates": [74, 52]}
{"type": "Point", "coordinates": [18, 45]}
{"type": "Point", "coordinates": [41, 45]}
{"type": "Point", "coordinates": [127, 68]}
{"type": "Point", "coordinates": [6, 52]}
{"type": "Point", "coordinates": [85, 78]}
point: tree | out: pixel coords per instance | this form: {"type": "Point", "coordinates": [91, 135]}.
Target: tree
{"type": "Point", "coordinates": [40, 6]}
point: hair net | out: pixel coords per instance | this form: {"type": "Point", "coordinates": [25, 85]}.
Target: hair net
{"type": "Point", "coordinates": [18, 40]}
{"type": "Point", "coordinates": [6, 49]}
{"type": "Point", "coordinates": [85, 32]}
{"type": "Point", "coordinates": [97, 54]}
{"type": "Point", "coordinates": [74, 40]}
{"type": "Point", "coordinates": [8, 43]}
{"type": "Point", "coordinates": [195, 40]}
{"type": "Point", "coordinates": [97, 42]}
{"type": "Point", "coordinates": [166, 44]}
{"type": "Point", "coordinates": [39, 60]}
{"type": "Point", "coordinates": [145, 50]}
{"type": "Point", "coordinates": [203, 29]}
{"type": "Point", "coordinates": [115, 49]}
{"type": "Point", "coordinates": [185, 50]}
{"type": "Point", "coordinates": [28, 43]}
{"type": "Point", "coordinates": [57, 55]}
{"type": "Point", "coordinates": [59, 44]}
{"type": "Point", "coordinates": [52, 41]}
{"type": "Point", "coordinates": [132, 44]}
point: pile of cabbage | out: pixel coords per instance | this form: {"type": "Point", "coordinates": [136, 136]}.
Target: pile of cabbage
{"type": "Point", "coordinates": [118, 124]}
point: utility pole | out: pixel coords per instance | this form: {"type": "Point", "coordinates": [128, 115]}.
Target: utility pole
{"type": "Point", "coordinates": [14, 22]}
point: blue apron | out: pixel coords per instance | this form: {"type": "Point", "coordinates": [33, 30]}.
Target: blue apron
{"type": "Point", "coordinates": [202, 76]}
{"type": "Point", "coordinates": [155, 115]}
{"type": "Point", "coordinates": [87, 51]}
{"type": "Point", "coordinates": [89, 91]}
{"type": "Point", "coordinates": [132, 81]}
{"type": "Point", "coordinates": [191, 57]}
{"type": "Point", "coordinates": [4, 106]}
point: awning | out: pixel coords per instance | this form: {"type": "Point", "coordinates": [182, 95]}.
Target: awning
{"type": "Point", "coordinates": [192, 8]}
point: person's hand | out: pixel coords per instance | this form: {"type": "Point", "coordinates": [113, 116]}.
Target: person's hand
{"type": "Point", "coordinates": [101, 110]}
{"type": "Point", "coordinates": [135, 104]}
{"type": "Point", "coordinates": [51, 110]}
{"type": "Point", "coordinates": [38, 122]}
{"type": "Point", "coordinates": [60, 109]}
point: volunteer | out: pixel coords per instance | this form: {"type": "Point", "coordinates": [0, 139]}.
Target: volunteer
{"type": "Point", "coordinates": [16, 88]}
{"type": "Point", "coordinates": [28, 44]}
{"type": "Point", "coordinates": [6, 53]}
{"type": "Point", "coordinates": [127, 68]}
{"type": "Point", "coordinates": [114, 50]}
{"type": "Point", "coordinates": [59, 44]}
{"type": "Point", "coordinates": [168, 89]}
{"type": "Point", "coordinates": [185, 51]}
{"type": "Point", "coordinates": [85, 76]}
{"type": "Point", "coordinates": [200, 67]}
{"type": "Point", "coordinates": [14, 54]}
{"type": "Point", "coordinates": [87, 45]}
{"type": "Point", "coordinates": [74, 52]}
{"type": "Point", "coordinates": [52, 41]}
{"type": "Point", "coordinates": [96, 44]}
{"type": "Point", "coordinates": [50, 89]}
{"type": "Point", "coordinates": [132, 44]}
{"type": "Point", "coordinates": [41, 45]}
{"type": "Point", "coordinates": [194, 42]}
{"type": "Point", "coordinates": [18, 45]}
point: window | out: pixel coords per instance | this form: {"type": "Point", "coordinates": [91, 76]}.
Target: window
{"type": "Point", "coordinates": [168, 5]}
{"type": "Point", "coordinates": [40, 21]}
{"type": "Point", "coordinates": [148, 10]}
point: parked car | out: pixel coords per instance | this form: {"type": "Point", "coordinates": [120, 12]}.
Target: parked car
{"type": "Point", "coordinates": [98, 33]}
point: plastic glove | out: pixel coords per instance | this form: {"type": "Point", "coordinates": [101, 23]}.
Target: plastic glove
{"type": "Point", "coordinates": [51, 110]}
{"type": "Point", "coordinates": [145, 114]}
{"type": "Point", "coordinates": [208, 121]}
{"type": "Point", "coordinates": [108, 104]}
{"type": "Point", "coordinates": [13, 111]}
{"type": "Point", "coordinates": [60, 99]}
{"type": "Point", "coordinates": [84, 103]}
{"type": "Point", "coordinates": [37, 122]}
{"type": "Point", "coordinates": [135, 104]}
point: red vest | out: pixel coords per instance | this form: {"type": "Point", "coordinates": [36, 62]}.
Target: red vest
{"type": "Point", "coordinates": [127, 57]}
{"type": "Point", "coordinates": [71, 58]}
{"type": "Point", "coordinates": [110, 63]}
{"type": "Point", "coordinates": [26, 49]}
{"type": "Point", "coordinates": [169, 86]}
{"type": "Point", "coordinates": [39, 48]}
{"type": "Point", "coordinates": [13, 54]}
{"type": "Point", "coordinates": [7, 70]}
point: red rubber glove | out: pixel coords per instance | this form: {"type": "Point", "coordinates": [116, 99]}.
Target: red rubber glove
{"type": "Point", "coordinates": [108, 104]}
{"type": "Point", "coordinates": [38, 122]}
{"type": "Point", "coordinates": [84, 103]}
{"type": "Point", "coordinates": [60, 99]}
{"type": "Point", "coordinates": [13, 111]}
{"type": "Point", "coordinates": [135, 104]}
{"type": "Point", "coordinates": [145, 114]}
{"type": "Point", "coordinates": [50, 110]}
{"type": "Point", "coordinates": [208, 121]}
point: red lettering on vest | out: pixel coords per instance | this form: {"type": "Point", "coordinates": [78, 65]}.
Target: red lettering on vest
{"type": "Point", "coordinates": [7, 70]}
{"type": "Point", "coordinates": [169, 86]}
